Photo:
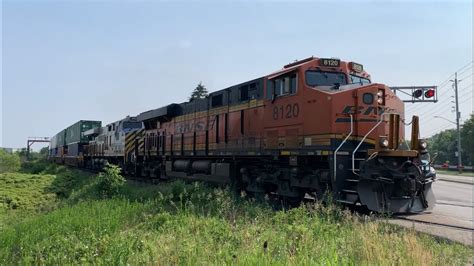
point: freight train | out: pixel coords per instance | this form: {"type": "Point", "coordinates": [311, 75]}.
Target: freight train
{"type": "Point", "coordinates": [317, 125]}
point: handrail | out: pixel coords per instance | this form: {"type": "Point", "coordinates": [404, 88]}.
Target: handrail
{"type": "Point", "coordinates": [340, 146]}
{"type": "Point", "coordinates": [363, 139]}
{"type": "Point", "coordinates": [406, 124]}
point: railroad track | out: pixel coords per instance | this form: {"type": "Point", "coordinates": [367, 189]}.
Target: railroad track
{"type": "Point", "coordinates": [434, 223]}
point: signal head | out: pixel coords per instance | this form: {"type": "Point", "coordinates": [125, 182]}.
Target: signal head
{"type": "Point", "coordinates": [418, 93]}
{"type": "Point", "coordinates": [429, 93]}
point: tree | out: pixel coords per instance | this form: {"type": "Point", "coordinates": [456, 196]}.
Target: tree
{"type": "Point", "coordinates": [200, 92]}
{"type": "Point", "coordinates": [22, 152]}
{"type": "Point", "coordinates": [9, 162]}
{"type": "Point", "coordinates": [445, 144]}
{"type": "Point", "coordinates": [44, 151]}
{"type": "Point", "coordinates": [467, 141]}
{"type": "Point", "coordinates": [111, 180]}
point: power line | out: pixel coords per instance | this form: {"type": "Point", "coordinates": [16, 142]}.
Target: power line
{"type": "Point", "coordinates": [466, 77]}
{"type": "Point", "coordinates": [438, 111]}
{"type": "Point", "coordinates": [465, 100]}
{"type": "Point", "coordinates": [447, 80]}
{"type": "Point", "coordinates": [440, 96]}
{"type": "Point", "coordinates": [438, 130]}
{"type": "Point", "coordinates": [443, 84]}
{"type": "Point", "coordinates": [431, 112]}
{"type": "Point", "coordinates": [444, 92]}
{"type": "Point", "coordinates": [423, 109]}
{"type": "Point", "coordinates": [459, 70]}
{"type": "Point", "coordinates": [469, 85]}
{"type": "Point", "coordinates": [420, 109]}
{"type": "Point", "coordinates": [446, 103]}
{"type": "Point", "coordinates": [462, 72]}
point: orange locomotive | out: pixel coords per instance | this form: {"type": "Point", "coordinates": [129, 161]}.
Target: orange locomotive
{"type": "Point", "coordinates": [315, 125]}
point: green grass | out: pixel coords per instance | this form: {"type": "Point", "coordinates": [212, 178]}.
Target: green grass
{"type": "Point", "coordinates": [178, 223]}
{"type": "Point", "coordinates": [38, 188]}
{"type": "Point", "coordinates": [29, 191]}
{"type": "Point", "coordinates": [24, 191]}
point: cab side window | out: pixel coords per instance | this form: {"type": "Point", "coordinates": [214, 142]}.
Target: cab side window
{"type": "Point", "coordinates": [244, 93]}
{"type": "Point", "coordinates": [283, 85]}
{"type": "Point", "coordinates": [248, 92]}
{"type": "Point", "coordinates": [217, 101]}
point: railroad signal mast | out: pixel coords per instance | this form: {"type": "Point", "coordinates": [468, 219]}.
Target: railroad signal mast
{"type": "Point", "coordinates": [429, 94]}
{"type": "Point", "coordinates": [33, 140]}
{"type": "Point", "coordinates": [416, 94]}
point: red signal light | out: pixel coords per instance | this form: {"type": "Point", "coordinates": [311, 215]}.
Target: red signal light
{"type": "Point", "coordinates": [429, 93]}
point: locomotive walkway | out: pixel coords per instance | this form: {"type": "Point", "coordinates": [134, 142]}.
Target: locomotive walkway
{"type": "Point", "coordinates": [453, 215]}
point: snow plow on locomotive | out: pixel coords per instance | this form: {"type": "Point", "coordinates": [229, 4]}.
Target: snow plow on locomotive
{"type": "Point", "coordinates": [318, 124]}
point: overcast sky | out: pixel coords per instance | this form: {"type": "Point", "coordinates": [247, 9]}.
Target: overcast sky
{"type": "Point", "coordinates": [63, 61]}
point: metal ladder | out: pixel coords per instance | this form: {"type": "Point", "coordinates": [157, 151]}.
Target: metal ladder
{"type": "Point", "coordinates": [345, 190]}
{"type": "Point", "coordinates": [349, 192]}
{"type": "Point", "coordinates": [362, 141]}
{"type": "Point", "coordinates": [340, 146]}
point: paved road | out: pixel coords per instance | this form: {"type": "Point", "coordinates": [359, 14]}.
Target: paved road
{"type": "Point", "coordinates": [454, 200]}
{"type": "Point", "coordinates": [453, 215]}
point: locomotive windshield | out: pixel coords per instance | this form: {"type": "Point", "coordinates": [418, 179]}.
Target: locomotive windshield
{"type": "Point", "coordinates": [360, 80]}
{"type": "Point", "coordinates": [321, 78]}
{"type": "Point", "coordinates": [132, 125]}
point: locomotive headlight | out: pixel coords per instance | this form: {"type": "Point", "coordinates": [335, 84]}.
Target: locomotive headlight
{"type": "Point", "coordinates": [383, 142]}
{"type": "Point", "coordinates": [423, 145]}
{"type": "Point", "coordinates": [380, 101]}
{"type": "Point", "coordinates": [380, 93]}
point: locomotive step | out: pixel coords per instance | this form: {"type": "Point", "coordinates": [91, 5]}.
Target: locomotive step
{"type": "Point", "coordinates": [345, 201]}
{"type": "Point", "coordinates": [352, 180]}
{"type": "Point", "coordinates": [349, 191]}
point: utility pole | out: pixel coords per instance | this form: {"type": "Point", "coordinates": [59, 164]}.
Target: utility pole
{"type": "Point", "coordinates": [458, 117]}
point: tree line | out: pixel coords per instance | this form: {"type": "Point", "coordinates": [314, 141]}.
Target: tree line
{"type": "Point", "coordinates": [445, 144]}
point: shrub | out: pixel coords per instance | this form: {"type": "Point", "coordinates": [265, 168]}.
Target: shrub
{"type": "Point", "coordinates": [35, 166]}
{"type": "Point", "coordinates": [110, 181]}
{"type": "Point", "coordinates": [9, 162]}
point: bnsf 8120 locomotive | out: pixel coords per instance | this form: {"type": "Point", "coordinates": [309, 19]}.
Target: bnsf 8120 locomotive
{"type": "Point", "coordinates": [318, 124]}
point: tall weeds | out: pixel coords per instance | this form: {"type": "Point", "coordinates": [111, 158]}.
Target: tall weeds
{"type": "Point", "coordinates": [191, 223]}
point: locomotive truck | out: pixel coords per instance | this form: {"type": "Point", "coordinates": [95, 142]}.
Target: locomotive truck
{"type": "Point", "coordinates": [317, 125]}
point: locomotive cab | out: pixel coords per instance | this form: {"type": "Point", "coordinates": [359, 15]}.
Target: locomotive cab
{"type": "Point", "coordinates": [108, 145]}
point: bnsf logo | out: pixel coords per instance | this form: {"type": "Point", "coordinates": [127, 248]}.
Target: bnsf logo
{"type": "Point", "coordinates": [362, 110]}
{"type": "Point", "coordinates": [369, 110]}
